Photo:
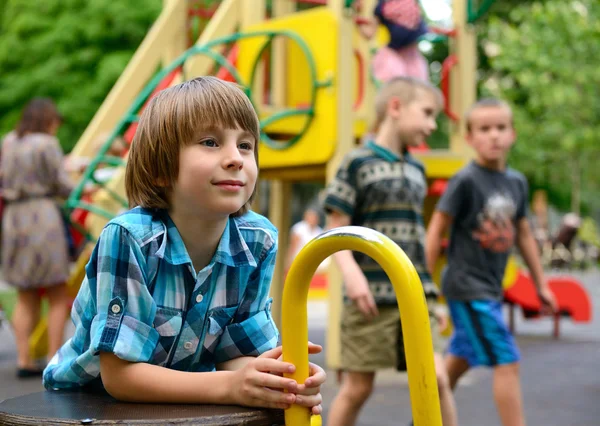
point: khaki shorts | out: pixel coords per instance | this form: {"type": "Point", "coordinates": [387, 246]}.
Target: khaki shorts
{"type": "Point", "coordinates": [368, 346]}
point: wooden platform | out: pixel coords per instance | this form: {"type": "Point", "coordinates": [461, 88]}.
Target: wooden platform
{"type": "Point", "coordinates": [82, 408]}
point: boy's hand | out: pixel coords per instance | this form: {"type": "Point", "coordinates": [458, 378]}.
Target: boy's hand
{"type": "Point", "coordinates": [260, 383]}
{"type": "Point", "coordinates": [547, 299]}
{"type": "Point", "coordinates": [309, 393]}
{"type": "Point", "coordinates": [357, 289]}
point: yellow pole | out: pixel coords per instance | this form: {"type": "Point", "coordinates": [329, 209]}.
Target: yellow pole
{"type": "Point", "coordinates": [411, 303]}
{"type": "Point", "coordinates": [279, 190]}
{"type": "Point", "coordinates": [345, 142]}
{"type": "Point", "coordinates": [463, 76]}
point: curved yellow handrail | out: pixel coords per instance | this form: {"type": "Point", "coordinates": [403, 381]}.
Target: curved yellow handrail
{"type": "Point", "coordinates": [411, 302]}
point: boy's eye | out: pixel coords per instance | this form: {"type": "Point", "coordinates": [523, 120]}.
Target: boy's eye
{"type": "Point", "coordinates": [246, 146]}
{"type": "Point", "coordinates": [209, 142]}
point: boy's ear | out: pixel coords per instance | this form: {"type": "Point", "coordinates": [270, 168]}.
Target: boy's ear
{"type": "Point", "coordinates": [469, 137]}
{"type": "Point", "coordinates": [394, 106]}
{"type": "Point", "coordinates": [514, 136]}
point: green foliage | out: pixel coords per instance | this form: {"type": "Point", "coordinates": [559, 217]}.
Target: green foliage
{"type": "Point", "coordinates": [589, 233]}
{"type": "Point", "coordinates": [544, 61]}
{"type": "Point", "coordinates": [70, 50]}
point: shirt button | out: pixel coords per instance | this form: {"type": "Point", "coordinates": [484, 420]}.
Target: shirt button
{"type": "Point", "coordinates": [187, 345]}
{"type": "Point", "coordinates": [199, 298]}
{"type": "Point", "coordinates": [115, 309]}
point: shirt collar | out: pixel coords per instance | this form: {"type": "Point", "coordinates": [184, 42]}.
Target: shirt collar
{"type": "Point", "coordinates": [231, 251]}
{"type": "Point", "coordinates": [384, 153]}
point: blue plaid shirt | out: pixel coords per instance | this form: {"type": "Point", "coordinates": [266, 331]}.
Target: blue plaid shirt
{"type": "Point", "coordinates": [142, 300]}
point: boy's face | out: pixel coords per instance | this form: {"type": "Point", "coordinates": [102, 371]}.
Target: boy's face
{"type": "Point", "coordinates": [217, 173]}
{"type": "Point", "coordinates": [492, 133]}
{"type": "Point", "coordinates": [415, 121]}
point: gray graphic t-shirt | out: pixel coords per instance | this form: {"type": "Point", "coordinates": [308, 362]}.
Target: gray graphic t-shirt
{"type": "Point", "coordinates": [486, 206]}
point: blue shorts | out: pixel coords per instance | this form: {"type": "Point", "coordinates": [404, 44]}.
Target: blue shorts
{"type": "Point", "coordinates": [480, 333]}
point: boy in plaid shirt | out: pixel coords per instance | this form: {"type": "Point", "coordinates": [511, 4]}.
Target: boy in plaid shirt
{"type": "Point", "coordinates": [174, 306]}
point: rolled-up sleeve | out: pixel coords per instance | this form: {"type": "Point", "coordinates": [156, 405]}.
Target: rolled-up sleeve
{"type": "Point", "coordinates": [125, 309]}
{"type": "Point", "coordinates": [253, 330]}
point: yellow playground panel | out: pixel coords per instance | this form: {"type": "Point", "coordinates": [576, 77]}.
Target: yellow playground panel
{"type": "Point", "coordinates": [310, 70]}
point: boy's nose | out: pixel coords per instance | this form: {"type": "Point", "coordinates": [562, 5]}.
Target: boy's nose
{"type": "Point", "coordinates": [233, 159]}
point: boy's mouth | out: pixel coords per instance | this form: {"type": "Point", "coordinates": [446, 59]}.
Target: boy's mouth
{"type": "Point", "coordinates": [230, 185]}
{"type": "Point", "coordinates": [230, 182]}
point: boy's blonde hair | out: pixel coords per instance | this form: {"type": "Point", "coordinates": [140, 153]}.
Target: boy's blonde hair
{"type": "Point", "coordinates": [487, 103]}
{"type": "Point", "coordinates": [407, 89]}
{"type": "Point", "coordinates": [170, 121]}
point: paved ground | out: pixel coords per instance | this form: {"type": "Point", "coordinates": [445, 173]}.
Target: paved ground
{"type": "Point", "coordinates": [561, 379]}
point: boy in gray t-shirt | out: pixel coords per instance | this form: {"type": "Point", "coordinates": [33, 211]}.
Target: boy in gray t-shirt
{"type": "Point", "coordinates": [485, 207]}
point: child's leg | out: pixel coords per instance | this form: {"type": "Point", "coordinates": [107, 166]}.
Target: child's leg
{"type": "Point", "coordinates": [58, 299]}
{"type": "Point", "coordinates": [356, 389]}
{"type": "Point", "coordinates": [447, 404]}
{"type": "Point", "coordinates": [456, 367]}
{"type": "Point", "coordinates": [507, 394]}
{"type": "Point", "coordinates": [367, 346]}
{"type": "Point", "coordinates": [24, 318]}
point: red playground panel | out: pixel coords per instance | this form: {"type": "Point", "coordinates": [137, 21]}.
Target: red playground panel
{"type": "Point", "coordinates": [571, 298]}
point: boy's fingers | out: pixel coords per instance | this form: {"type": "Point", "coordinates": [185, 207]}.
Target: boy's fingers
{"type": "Point", "coordinates": [273, 353]}
{"type": "Point", "coordinates": [309, 400]}
{"type": "Point", "coordinates": [314, 348]}
{"type": "Point", "coordinates": [317, 409]}
{"type": "Point", "coordinates": [273, 365]}
{"type": "Point", "coordinates": [365, 306]}
{"type": "Point", "coordinates": [304, 390]}
{"type": "Point", "coordinates": [272, 381]}
{"type": "Point", "coordinates": [267, 397]}
{"type": "Point", "coordinates": [372, 305]}
{"type": "Point", "coordinates": [317, 376]}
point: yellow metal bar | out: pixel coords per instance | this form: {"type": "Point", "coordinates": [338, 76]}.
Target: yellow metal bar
{"type": "Point", "coordinates": [411, 302]}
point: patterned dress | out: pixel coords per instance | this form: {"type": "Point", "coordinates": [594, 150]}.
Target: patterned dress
{"type": "Point", "coordinates": [34, 244]}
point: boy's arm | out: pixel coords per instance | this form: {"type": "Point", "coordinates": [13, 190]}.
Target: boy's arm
{"type": "Point", "coordinates": [438, 225]}
{"type": "Point", "coordinates": [356, 283]}
{"type": "Point", "coordinates": [529, 251]}
{"type": "Point", "coordinates": [142, 382]}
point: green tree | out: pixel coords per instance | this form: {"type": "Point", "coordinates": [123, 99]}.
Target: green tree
{"type": "Point", "coordinates": [544, 62]}
{"type": "Point", "coordinates": [70, 50]}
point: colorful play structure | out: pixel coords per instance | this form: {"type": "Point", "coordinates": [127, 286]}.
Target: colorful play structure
{"type": "Point", "coordinates": [307, 73]}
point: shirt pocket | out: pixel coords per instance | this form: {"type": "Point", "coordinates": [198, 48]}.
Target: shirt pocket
{"type": "Point", "coordinates": [168, 323]}
{"type": "Point", "coordinates": [218, 320]}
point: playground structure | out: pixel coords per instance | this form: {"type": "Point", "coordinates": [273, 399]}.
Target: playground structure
{"type": "Point", "coordinates": [304, 125]}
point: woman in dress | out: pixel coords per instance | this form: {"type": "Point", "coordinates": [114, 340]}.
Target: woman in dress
{"type": "Point", "coordinates": [34, 244]}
